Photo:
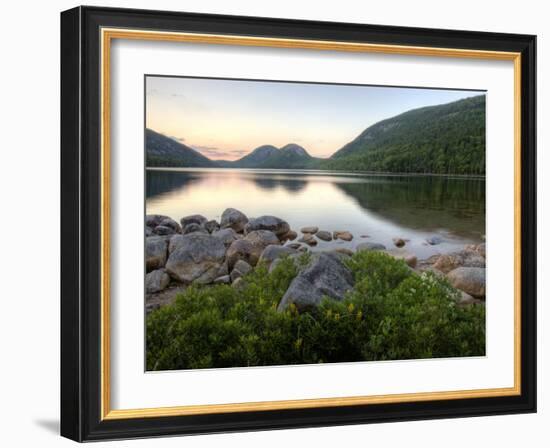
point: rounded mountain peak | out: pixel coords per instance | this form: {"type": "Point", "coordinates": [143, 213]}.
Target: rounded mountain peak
{"type": "Point", "coordinates": [295, 149]}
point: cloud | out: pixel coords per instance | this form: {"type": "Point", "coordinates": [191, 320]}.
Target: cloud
{"type": "Point", "coordinates": [213, 152]}
{"type": "Point", "coordinates": [178, 139]}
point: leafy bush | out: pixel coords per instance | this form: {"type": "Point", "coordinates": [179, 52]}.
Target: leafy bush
{"type": "Point", "coordinates": [392, 313]}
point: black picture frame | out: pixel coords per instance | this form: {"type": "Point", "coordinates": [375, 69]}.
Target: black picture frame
{"type": "Point", "coordinates": [81, 224]}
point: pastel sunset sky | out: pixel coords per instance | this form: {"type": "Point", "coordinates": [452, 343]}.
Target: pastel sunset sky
{"type": "Point", "coordinates": [227, 119]}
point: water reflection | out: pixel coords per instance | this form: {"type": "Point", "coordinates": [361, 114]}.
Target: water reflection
{"type": "Point", "coordinates": [381, 207]}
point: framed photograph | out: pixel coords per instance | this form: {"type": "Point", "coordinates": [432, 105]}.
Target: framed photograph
{"type": "Point", "coordinates": [274, 223]}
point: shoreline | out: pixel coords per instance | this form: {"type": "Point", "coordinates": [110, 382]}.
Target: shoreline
{"type": "Point", "coordinates": [202, 251]}
{"type": "Point", "coordinates": [320, 171]}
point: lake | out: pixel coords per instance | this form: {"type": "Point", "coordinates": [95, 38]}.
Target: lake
{"type": "Point", "coordinates": [374, 208]}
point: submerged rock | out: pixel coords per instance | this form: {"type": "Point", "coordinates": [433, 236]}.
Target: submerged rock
{"type": "Point", "coordinates": [234, 219]}
{"type": "Point", "coordinates": [198, 258]}
{"type": "Point", "coordinates": [434, 240]}
{"type": "Point", "coordinates": [309, 229]}
{"type": "Point", "coordinates": [291, 235]}
{"type": "Point", "coordinates": [325, 276]}
{"type": "Point", "coordinates": [399, 242]}
{"type": "Point", "coordinates": [276, 225]}
{"type": "Point", "coordinates": [308, 239]}
{"type": "Point", "coordinates": [324, 235]}
{"type": "Point", "coordinates": [370, 246]}
{"type": "Point", "coordinates": [342, 235]}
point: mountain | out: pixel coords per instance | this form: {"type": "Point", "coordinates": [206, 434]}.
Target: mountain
{"type": "Point", "coordinates": [164, 151]}
{"type": "Point", "coordinates": [443, 139]}
{"type": "Point", "coordinates": [257, 157]}
{"type": "Point", "coordinates": [268, 156]}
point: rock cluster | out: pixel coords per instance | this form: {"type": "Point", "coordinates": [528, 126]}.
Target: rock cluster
{"type": "Point", "coordinates": [198, 250]}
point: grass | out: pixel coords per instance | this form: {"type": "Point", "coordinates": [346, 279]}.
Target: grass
{"type": "Point", "coordinates": [392, 313]}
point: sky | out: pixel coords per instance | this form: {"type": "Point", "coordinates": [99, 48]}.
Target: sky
{"type": "Point", "coordinates": [227, 119]}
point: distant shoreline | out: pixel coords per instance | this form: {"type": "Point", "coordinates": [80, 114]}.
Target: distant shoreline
{"type": "Point", "coordinates": [314, 171]}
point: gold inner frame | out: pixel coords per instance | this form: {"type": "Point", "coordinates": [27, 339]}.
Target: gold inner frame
{"type": "Point", "coordinates": [107, 35]}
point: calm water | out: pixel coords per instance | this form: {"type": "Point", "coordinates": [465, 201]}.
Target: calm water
{"type": "Point", "coordinates": [374, 208]}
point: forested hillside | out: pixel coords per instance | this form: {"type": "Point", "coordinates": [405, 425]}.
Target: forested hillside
{"type": "Point", "coordinates": [443, 139]}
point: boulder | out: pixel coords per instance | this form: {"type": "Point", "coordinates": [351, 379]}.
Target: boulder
{"type": "Point", "coordinates": [291, 235]}
{"type": "Point", "coordinates": [464, 258]}
{"type": "Point", "coordinates": [342, 235]}
{"type": "Point", "coordinates": [211, 226]}
{"type": "Point", "coordinates": [223, 280]}
{"type": "Point", "coordinates": [192, 219]}
{"type": "Point", "coordinates": [234, 219]}
{"type": "Point", "coordinates": [466, 299]}
{"type": "Point", "coordinates": [262, 238]}
{"type": "Point", "coordinates": [294, 257]}
{"type": "Point", "coordinates": [169, 222]}
{"type": "Point", "coordinates": [174, 243]}
{"type": "Point", "coordinates": [325, 276]}
{"type": "Point", "coordinates": [227, 236]}
{"type": "Point", "coordinates": [224, 269]}
{"type": "Point", "coordinates": [370, 246]}
{"type": "Point", "coordinates": [480, 249]}
{"type": "Point", "coordinates": [295, 246]}
{"type": "Point", "coordinates": [267, 222]}
{"type": "Point", "coordinates": [238, 283]}
{"type": "Point", "coordinates": [272, 252]}
{"type": "Point", "coordinates": [324, 235]}
{"type": "Point", "coordinates": [309, 239]}
{"type": "Point", "coordinates": [242, 250]}
{"type": "Point", "coordinates": [156, 281]}
{"type": "Point", "coordinates": [309, 229]}
{"type": "Point", "coordinates": [468, 279]}
{"type": "Point", "coordinates": [198, 258]}
{"type": "Point", "coordinates": [407, 257]}
{"type": "Point", "coordinates": [344, 251]}
{"type": "Point", "coordinates": [240, 269]}
{"type": "Point", "coordinates": [156, 248]}
{"type": "Point", "coordinates": [194, 227]}
{"type": "Point", "coordinates": [163, 230]}
{"type": "Point", "coordinates": [399, 242]}
{"type": "Point", "coordinates": [154, 220]}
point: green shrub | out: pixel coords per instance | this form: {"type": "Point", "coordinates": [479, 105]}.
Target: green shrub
{"type": "Point", "coordinates": [392, 313]}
